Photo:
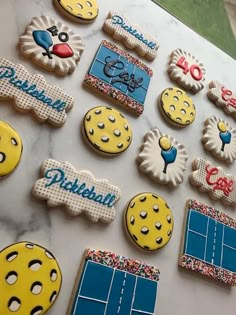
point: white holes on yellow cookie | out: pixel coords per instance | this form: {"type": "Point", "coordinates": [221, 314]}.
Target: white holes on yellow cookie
{"type": "Point", "coordinates": [14, 304]}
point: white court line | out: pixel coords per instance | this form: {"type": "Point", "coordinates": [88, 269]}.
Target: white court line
{"type": "Point", "coordinates": [92, 299]}
{"type": "Point", "coordinates": [206, 238]}
{"type": "Point", "coordinates": [134, 292]}
{"type": "Point", "coordinates": [109, 292]}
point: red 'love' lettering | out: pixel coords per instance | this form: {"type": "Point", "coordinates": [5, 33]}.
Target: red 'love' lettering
{"type": "Point", "coordinates": [222, 183]}
{"type": "Point", "coordinates": [195, 70]}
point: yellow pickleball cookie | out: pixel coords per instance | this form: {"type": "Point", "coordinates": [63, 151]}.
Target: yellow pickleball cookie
{"type": "Point", "coordinates": [10, 149]}
{"type": "Point", "coordinates": [177, 107]}
{"type": "Point", "coordinates": [149, 221]}
{"type": "Point", "coordinates": [82, 11]}
{"type": "Point", "coordinates": [30, 279]}
{"type": "Point", "coordinates": [107, 130]}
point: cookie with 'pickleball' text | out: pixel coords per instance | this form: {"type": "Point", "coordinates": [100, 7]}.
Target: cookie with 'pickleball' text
{"type": "Point", "coordinates": [176, 107]}
{"type": "Point", "coordinates": [186, 70]}
{"type": "Point", "coordinates": [52, 45]}
{"type": "Point", "coordinates": [149, 221]}
{"type": "Point", "coordinates": [107, 130]}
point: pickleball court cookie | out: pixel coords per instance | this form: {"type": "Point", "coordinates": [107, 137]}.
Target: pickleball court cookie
{"type": "Point", "coordinates": [11, 148]}
{"type": "Point", "coordinates": [81, 11]}
{"type": "Point", "coordinates": [149, 221]}
{"type": "Point", "coordinates": [30, 279]}
{"type": "Point", "coordinates": [51, 45]}
{"type": "Point", "coordinates": [177, 107]}
{"type": "Point", "coordinates": [107, 130]}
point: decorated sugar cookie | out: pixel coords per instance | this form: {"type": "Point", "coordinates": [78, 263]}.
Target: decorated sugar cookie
{"type": "Point", "coordinates": [52, 45]}
{"type": "Point", "coordinates": [186, 70]}
{"type": "Point", "coordinates": [149, 221]}
{"type": "Point", "coordinates": [162, 158]}
{"type": "Point", "coordinates": [209, 243]}
{"type": "Point", "coordinates": [177, 107]}
{"type": "Point", "coordinates": [107, 130]}
{"type": "Point", "coordinates": [108, 283]}
{"type": "Point", "coordinates": [117, 74]}
{"type": "Point", "coordinates": [223, 97]}
{"type": "Point", "coordinates": [220, 139]}
{"type": "Point", "coordinates": [11, 148]}
{"type": "Point", "coordinates": [131, 35]}
{"type": "Point", "coordinates": [30, 279]}
{"type": "Point", "coordinates": [78, 191]}
{"type": "Point", "coordinates": [81, 11]}
{"type": "Point", "coordinates": [214, 181]}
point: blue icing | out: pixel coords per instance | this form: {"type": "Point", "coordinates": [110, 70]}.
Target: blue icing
{"type": "Point", "coordinates": [9, 73]}
{"type": "Point", "coordinates": [145, 295]}
{"type": "Point", "coordinates": [56, 176]}
{"type": "Point", "coordinates": [225, 137]}
{"type": "Point", "coordinates": [169, 156]}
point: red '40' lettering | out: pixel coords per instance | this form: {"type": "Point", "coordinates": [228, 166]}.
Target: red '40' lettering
{"type": "Point", "coordinates": [195, 70]}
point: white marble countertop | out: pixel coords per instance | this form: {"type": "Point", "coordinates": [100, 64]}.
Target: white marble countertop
{"type": "Point", "coordinates": [24, 218]}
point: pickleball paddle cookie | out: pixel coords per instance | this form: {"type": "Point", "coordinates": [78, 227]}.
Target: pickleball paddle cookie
{"type": "Point", "coordinates": [186, 70]}
{"type": "Point", "coordinates": [177, 107]}
{"type": "Point", "coordinates": [11, 148]}
{"type": "Point", "coordinates": [30, 279]}
{"type": "Point", "coordinates": [80, 11]}
{"type": "Point", "coordinates": [107, 130]}
{"type": "Point", "coordinates": [162, 158]}
{"type": "Point", "coordinates": [51, 45]}
{"type": "Point", "coordinates": [149, 221]}
{"type": "Point", "coordinates": [219, 138]}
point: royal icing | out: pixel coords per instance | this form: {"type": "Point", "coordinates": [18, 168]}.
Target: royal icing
{"type": "Point", "coordinates": [52, 45]}
{"type": "Point", "coordinates": [177, 107]}
{"type": "Point", "coordinates": [81, 11]}
{"type": "Point", "coordinates": [30, 279]}
{"type": "Point", "coordinates": [11, 148]}
{"type": "Point", "coordinates": [220, 139]}
{"type": "Point", "coordinates": [213, 180]}
{"type": "Point", "coordinates": [32, 93]}
{"type": "Point", "coordinates": [120, 76]}
{"type": "Point", "coordinates": [112, 284]}
{"type": "Point", "coordinates": [162, 158]}
{"type": "Point", "coordinates": [107, 130]}
{"type": "Point", "coordinates": [131, 35]}
{"type": "Point", "coordinates": [223, 97]}
{"type": "Point", "coordinates": [149, 221]}
{"type": "Point", "coordinates": [209, 245]}
{"type": "Point", "coordinates": [186, 70]}
{"type": "Point", "coordinates": [78, 191]}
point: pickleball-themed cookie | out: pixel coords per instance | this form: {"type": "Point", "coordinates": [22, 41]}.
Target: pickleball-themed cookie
{"type": "Point", "coordinates": [78, 191]}
{"type": "Point", "coordinates": [186, 70]}
{"type": "Point", "coordinates": [107, 130]}
{"type": "Point", "coordinates": [52, 45]}
{"type": "Point", "coordinates": [177, 107]}
{"type": "Point", "coordinates": [223, 97]}
{"type": "Point", "coordinates": [214, 181]}
{"type": "Point", "coordinates": [220, 139]}
{"type": "Point", "coordinates": [81, 11]}
{"type": "Point", "coordinates": [162, 158]}
{"type": "Point", "coordinates": [118, 75]}
{"type": "Point", "coordinates": [149, 221]}
{"type": "Point", "coordinates": [31, 93]}
{"type": "Point", "coordinates": [30, 279]}
{"type": "Point", "coordinates": [108, 283]}
{"type": "Point", "coordinates": [11, 148]}
{"type": "Point", "coordinates": [131, 35]}
{"type": "Point", "coordinates": [209, 243]}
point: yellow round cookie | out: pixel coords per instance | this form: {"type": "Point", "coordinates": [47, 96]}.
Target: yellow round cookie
{"type": "Point", "coordinates": [30, 279]}
{"type": "Point", "coordinates": [107, 130]}
{"type": "Point", "coordinates": [79, 10]}
{"type": "Point", "coordinates": [177, 107]}
{"type": "Point", "coordinates": [149, 221]}
{"type": "Point", "coordinates": [10, 149]}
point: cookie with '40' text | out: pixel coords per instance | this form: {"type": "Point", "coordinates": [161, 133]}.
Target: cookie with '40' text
{"type": "Point", "coordinates": [176, 107]}
{"type": "Point", "coordinates": [107, 130]}
{"type": "Point", "coordinates": [149, 221]}
{"type": "Point", "coordinates": [30, 279]}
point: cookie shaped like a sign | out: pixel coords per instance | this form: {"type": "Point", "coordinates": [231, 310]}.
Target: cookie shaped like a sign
{"type": "Point", "coordinates": [131, 35]}
{"type": "Point", "coordinates": [78, 191]}
{"type": "Point", "coordinates": [52, 45]}
{"type": "Point", "coordinates": [186, 70]}
{"type": "Point", "coordinates": [214, 181]}
{"type": "Point", "coordinates": [32, 93]}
